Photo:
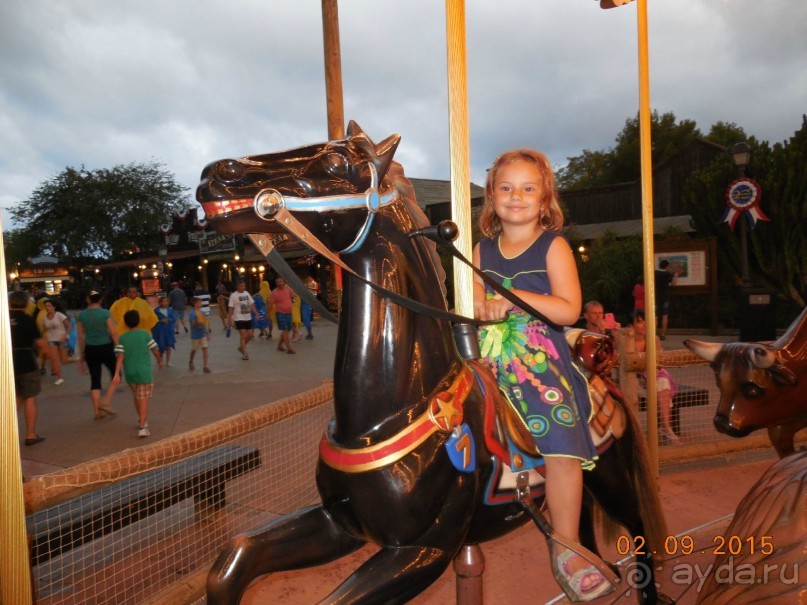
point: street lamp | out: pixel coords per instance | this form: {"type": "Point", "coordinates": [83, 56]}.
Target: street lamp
{"type": "Point", "coordinates": [741, 152]}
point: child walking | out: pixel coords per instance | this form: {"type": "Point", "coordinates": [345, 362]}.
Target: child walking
{"type": "Point", "coordinates": [163, 331]}
{"type": "Point", "coordinates": [526, 253]}
{"type": "Point", "coordinates": [132, 353]}
{"type": "Point", "coordinates": [199, 333]}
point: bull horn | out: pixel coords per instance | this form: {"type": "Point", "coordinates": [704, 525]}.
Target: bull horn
{"type": "Point", "coordinates": [704, 350]}
{"type": "Point", "coordinates": [762, 357]}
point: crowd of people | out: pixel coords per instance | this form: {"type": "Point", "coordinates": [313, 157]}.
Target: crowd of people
{"type": "Point", "coordinates": [123, 338]}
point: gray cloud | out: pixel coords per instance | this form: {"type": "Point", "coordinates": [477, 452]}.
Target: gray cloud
{"type": "Point", "coordinates": [185, 82]}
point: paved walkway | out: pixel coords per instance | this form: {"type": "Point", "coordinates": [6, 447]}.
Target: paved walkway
{"type": "Point", "coordinates": [183, 400]}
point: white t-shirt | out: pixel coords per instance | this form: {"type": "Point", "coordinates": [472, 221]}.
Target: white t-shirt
{"type": "Point", "coordinates": [55, 330]}
{"type": "Point", "coordinates": [241, 303]}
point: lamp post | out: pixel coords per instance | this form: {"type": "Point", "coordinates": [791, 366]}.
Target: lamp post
{"type": "Point", "coordinates": [741, 152]}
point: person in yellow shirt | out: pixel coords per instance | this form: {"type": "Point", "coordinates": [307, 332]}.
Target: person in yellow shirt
{"type": "Point", "coordinates": [132, 301]}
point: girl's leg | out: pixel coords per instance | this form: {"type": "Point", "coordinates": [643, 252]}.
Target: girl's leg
{"type": "Point", "coordinates": [564, 497]}
{"type": "Point", "coordinates": [204, 358]}
{"type": "Point", "coordinates": [55, 358]}
{"type": "Point", "coordinates": [190, 362]}
{"type": "Point", "coordinates": [665, 404]}
{"type": "Point", "coordinates": [63, 357]}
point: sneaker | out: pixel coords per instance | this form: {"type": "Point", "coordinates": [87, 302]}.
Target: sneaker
{"type": "Point", "coordinates": [144, 431]}
{"type": "Point", "coordinates": [169, 364]}
{"type": "Point", "coordinates": [59, 381]}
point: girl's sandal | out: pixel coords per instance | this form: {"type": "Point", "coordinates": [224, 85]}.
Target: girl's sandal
{"type": "Point", "coordinates": [575, 580]}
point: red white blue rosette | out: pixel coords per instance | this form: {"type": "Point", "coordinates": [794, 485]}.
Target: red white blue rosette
{"type": "Point", "coordinates": [743, 195]}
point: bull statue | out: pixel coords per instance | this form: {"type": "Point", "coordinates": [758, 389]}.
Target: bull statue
{"type": "Point", "coordinates": [761, 385]}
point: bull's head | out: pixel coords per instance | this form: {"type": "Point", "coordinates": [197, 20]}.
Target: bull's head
{"type": "Point", "coordinates": [756, 388]}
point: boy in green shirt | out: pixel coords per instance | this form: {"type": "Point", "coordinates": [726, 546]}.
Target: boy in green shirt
{"type": "Point", "coordinates": [132, 353]}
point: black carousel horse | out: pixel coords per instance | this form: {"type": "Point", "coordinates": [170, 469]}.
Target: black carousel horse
{"type": "Point", "coordinates": [410, 460]}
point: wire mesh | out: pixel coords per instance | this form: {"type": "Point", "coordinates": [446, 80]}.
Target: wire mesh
{"type": "Point", "coordinates": [125, 541]}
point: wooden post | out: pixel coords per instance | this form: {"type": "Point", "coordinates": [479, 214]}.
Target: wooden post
{"type": "Point", "coordinates": [333, 96]}
{"type": "Point", "coordinates": [469, 565]}
{"type": "Point", "coordinates": [15, 573]}
{"type": "Point", "coordinates": [333, 70]}
{"type": "Point", "coordinates": [628, 383]}
{"type": "Point", "coordinates": [460, 157]}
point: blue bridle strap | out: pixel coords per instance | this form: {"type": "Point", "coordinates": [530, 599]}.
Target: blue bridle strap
{"type": "Point", "coordinates": [269, 201]}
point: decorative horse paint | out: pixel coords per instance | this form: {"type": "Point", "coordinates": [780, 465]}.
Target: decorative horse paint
{"type": "Point", "coordinates": [761, 386]}
{"type": "Point", "coordinates": [404, 398]}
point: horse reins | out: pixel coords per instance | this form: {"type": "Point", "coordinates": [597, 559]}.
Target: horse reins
{"type": "Point", "coordinates": [271, 205]}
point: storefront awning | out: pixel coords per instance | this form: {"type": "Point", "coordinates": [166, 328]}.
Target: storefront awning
{"type": "Point", "coordinates": [144, 260]}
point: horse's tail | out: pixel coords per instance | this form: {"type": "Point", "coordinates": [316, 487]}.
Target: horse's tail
{"type": "Point", "coordinates": [645, 486]}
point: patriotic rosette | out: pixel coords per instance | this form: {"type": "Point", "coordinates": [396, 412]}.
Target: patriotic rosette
{"type": "Point", "coordinates": [743, 195]}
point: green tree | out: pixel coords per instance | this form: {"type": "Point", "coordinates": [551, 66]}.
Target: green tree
{"type": "Point", "coordinates": [81, 214]}
{"type": "Point", "coordinates": [777, 249]}
{"type": "Point", "coordinates": [622, 163]}
{"type": "Point", "coordinates": [608, 270]}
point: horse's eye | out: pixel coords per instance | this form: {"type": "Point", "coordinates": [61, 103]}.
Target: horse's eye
{"type": "Point", "coordinates": [336, 164]}
{"type": "Point", "coordinates": [230, 170]}
{"type": "Point", "coordinates": [751, 390]}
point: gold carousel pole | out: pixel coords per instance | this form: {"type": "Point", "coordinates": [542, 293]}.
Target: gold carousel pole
{"type": "Point", "coordinates": [15, 574]}
{"type": "Point", "coordinates": [460, 156]}
{"type": "Point", "coordinates": [469, 564]}
{"type": "Point", "coordinates": [647, 218]}
{"type": "Point", "coordinates": [647, 229]}
{"type": "Point", "coordinates": [333, 96]}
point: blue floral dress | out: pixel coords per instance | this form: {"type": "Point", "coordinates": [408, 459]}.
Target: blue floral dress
{"type": "Point", "coordinates": [532, 361]}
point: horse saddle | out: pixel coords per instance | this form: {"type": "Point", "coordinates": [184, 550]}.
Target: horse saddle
{"type": "Point", "coordinates": [509, 439]}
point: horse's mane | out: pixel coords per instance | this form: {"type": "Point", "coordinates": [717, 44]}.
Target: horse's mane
{"type": "Point", "coordinates": [396, 175]}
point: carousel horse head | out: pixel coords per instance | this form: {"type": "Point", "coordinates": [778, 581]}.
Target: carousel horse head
{"type": "Point", "coordinates": [353, 177]}
{"type": "Point", "coordinates": [761, 385]}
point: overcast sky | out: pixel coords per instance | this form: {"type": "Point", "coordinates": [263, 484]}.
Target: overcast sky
{"type": "Point", "coordinates": [185, 82]}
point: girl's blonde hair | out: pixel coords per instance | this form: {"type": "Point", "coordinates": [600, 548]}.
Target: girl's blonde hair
{"type": "Point", "coordinates": [551, 217]}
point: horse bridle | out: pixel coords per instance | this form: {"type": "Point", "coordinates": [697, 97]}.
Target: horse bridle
{"type": "Point", "coordinates": [272, 206]}
{"type": "Point", "coordinates": [269, 202]}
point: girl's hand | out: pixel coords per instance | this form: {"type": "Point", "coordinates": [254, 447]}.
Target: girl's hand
{"type": "Point", "coordinates": [495, 308]}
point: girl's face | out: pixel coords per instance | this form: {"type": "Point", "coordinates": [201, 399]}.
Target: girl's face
{"type": "Point", "coordinates": [517, 193]}
{"type": "Point", "coordinates": [639, 326]}
{"type": "Point", "coordinates": [49, 307]}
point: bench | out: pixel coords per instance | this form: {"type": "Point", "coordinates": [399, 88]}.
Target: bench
{"type": "Point", "coordinates": [58, 529]}
{"type": "Point", "coordinates": [687, 396]}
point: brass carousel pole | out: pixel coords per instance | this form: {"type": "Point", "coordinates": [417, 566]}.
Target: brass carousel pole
{"type": "Point", "coordinates": [15, 573]}
{"type": "Point", "coordinates": [469, 564]}
{"type": "Point", "coordinates": [460, 156]}
{"type": "Point", "coordinates": [333, 96]}
{"type": "Point", "coordinates": [647, 220]}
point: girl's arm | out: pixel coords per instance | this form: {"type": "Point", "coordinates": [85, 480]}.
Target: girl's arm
{"type": "Point", "coordinates": [479, 286]}
{"type": "Point", "coordinates": [562, 306]}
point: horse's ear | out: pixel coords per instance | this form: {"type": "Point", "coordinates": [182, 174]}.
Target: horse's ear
{"type": "Point", "coordinates": [384, 152]}
{"type": "Point", "coordinates": [353, 129]}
